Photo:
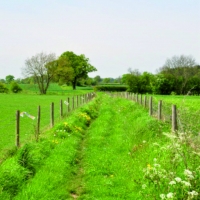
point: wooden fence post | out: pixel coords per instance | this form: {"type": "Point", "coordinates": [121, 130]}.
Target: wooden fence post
{"type": "Point", "coordinates": [52, 115]}
{"type": "Point", "coordinates": [68, 102]}
{"type": "Point", "coordinates": [174, 119]}
{"type": "Point", "coordinates": [17, 128]}
{"type": "Point", "coordinates": [137, 97]}
{"type": "Point", "coordinates": [83, 99]}
{"type": "Point", "coordinates": [72, 103]}
{"type": "Point", "coordinates": [145, 101]}
{"type": "Point", "coordinates": [86, 97]}
{"type": "Point", "coordinates": [38, 124]}
{"type": "Point", "coordinates": [141, 99]}
{"type": "Point", "coordinates": [160, 110]}
{"type": "Point", "coordinates": [77, 101]}
{"type": "Point", "coordinates": [150, 106]}
{"type": "Point", "coordinates": [61, 109]}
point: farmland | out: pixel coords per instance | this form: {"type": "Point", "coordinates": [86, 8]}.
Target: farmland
{"type": "Point", "coordinates": [107, 149]}
{"type": "Point", "coordinates": [29, 103]}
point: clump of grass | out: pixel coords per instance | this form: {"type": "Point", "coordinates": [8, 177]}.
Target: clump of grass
{"type": "Point", "coordinates": [12, 175]}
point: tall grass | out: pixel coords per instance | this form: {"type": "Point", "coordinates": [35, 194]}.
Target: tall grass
{"type": "Point", "coordinates": [122, 154]}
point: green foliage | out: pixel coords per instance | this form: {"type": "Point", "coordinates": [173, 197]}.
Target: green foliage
{"type": "Point", "coordinates": [111, 88]}
{"type": "Point", "coordinates": [79, 65]}
{"type": "Point", "coordinates": [9, 79]}
{"type": "Point", "coordinates": [3, 88]}
{"type": "Point", "coordinates": [15, 88]}
{"type": "Point", "coordinates": [106, 80]}
{"type": "Point", "coordinates": [12, 176]}
{"type": "Point", "coordinates": [162, 85]}
{"type": "Point", "coordinates": [138, 83]}
{"type": "Point", "coordinates": [97, 79]}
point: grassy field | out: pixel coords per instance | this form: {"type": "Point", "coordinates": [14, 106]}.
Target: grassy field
{"type": "Point", "coordinates": [108, 149]}
{"type": "Point", "coordinates": [29, 103]}
{"type": "Point", "coordinates": [54, 88]}
{"type": "Point", "coordinates": [188, 111]}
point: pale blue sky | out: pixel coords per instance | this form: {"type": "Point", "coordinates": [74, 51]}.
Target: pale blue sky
{"type": "Point", "coordinates": [114, 34]}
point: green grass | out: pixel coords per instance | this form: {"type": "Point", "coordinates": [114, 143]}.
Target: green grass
{"type": "Point", "coordinates": [108, 149]}
{"type": "Point", "coordinates": [188, 110]}
{"type": "Point", "coordinates": [49, 161]}
{"type": "Point", "coordinates": [55, 89]}
{"type": "Point", "coordinates": [29, 103]}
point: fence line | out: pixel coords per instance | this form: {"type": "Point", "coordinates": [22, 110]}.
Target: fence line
{"type": "Point", "coordinates": [165, 112]}
{"type": "Point", "coordinates": [80, 100]}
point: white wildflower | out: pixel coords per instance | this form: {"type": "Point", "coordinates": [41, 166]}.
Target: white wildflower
{"type": "Point", "coordinates": [186, 183]}
{"type": "Point", "coordinates": [178, 180]}
{"type": "Point", "coordinates": [170, 195]}
{"type": "Point", "coordinates": [162, 196]}
{"type": "Point", "coordinates": [144, 186]}
{"type": "Point", "coordinates": [193, 193]}
{"type": "Point", "coordinates": [190, 177]}
{"type": "Point", "coordinates": [155, 159]}
{"type": "Point", "coordinates": [187, 172]}
{"type": "Point", "coordinates": [144, 141]}
{"type": "Point", "coordinates": [172, 183]}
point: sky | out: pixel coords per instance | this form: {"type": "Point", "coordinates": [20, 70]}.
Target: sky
{"type": "Point", "coordinates": [114, 34]}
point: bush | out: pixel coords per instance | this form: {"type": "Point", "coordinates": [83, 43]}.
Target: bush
{"type": "Point", "coordinates": [113, 88]}
{"type": "Point", "coordinates": [3, 88]}
{"type": "Point", "coordinates": [15, 87]}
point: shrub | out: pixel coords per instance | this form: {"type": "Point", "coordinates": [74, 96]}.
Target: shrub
{"type": "Point", "coordinates": [111, 88]}
{"type": "Point", "coordinates": [15, 88]}
{"type": "Point", "coordinates": [3, 88]}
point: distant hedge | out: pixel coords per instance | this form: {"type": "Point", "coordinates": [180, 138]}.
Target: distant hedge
{"type": "Point", "coordinates": [111, 88]}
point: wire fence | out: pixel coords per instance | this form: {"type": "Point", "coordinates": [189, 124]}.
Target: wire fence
{"type": "Point", "coordinates": [181, 118]}
{"type": "Point", "coordinates": [23, 126]}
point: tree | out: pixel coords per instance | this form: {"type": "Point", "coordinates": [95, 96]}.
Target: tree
{"type": "Point", "coordinates": [132, 79]}
{"type": "Point", "coordinates": [9, 79]}
{"type": "Point", "coordinates": [163, 84]}
{"type": "Point", "coordinates": [98, 79]}
{"type": "Point", "coordinates": [80, 67]}
{"type": "Point", "coordinates": [62, 70]}
{"type": "Point", "coordinates": [2, 81]}
{"type": "Point", "coordinates": [118, 80]}
{"type": "Point", "coordinates": [145, 81]}
{"type": "Point", "coordinates": [106, 80]}
{"type": "Point", "coordinates": [38, 67]}
{"type": "Point", "coordinates": [182, 68]}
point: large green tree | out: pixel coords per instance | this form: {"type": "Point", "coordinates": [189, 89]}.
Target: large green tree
{"type": "Point", "coordinates": [62, 70]}
{"type": "Point", "coordinates": [76, 67]}
{"type": "Point", "coordinates": [9, 78]}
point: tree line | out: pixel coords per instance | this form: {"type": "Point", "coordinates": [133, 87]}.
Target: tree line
{"type": "Point", "coordinates": [179, 75]}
